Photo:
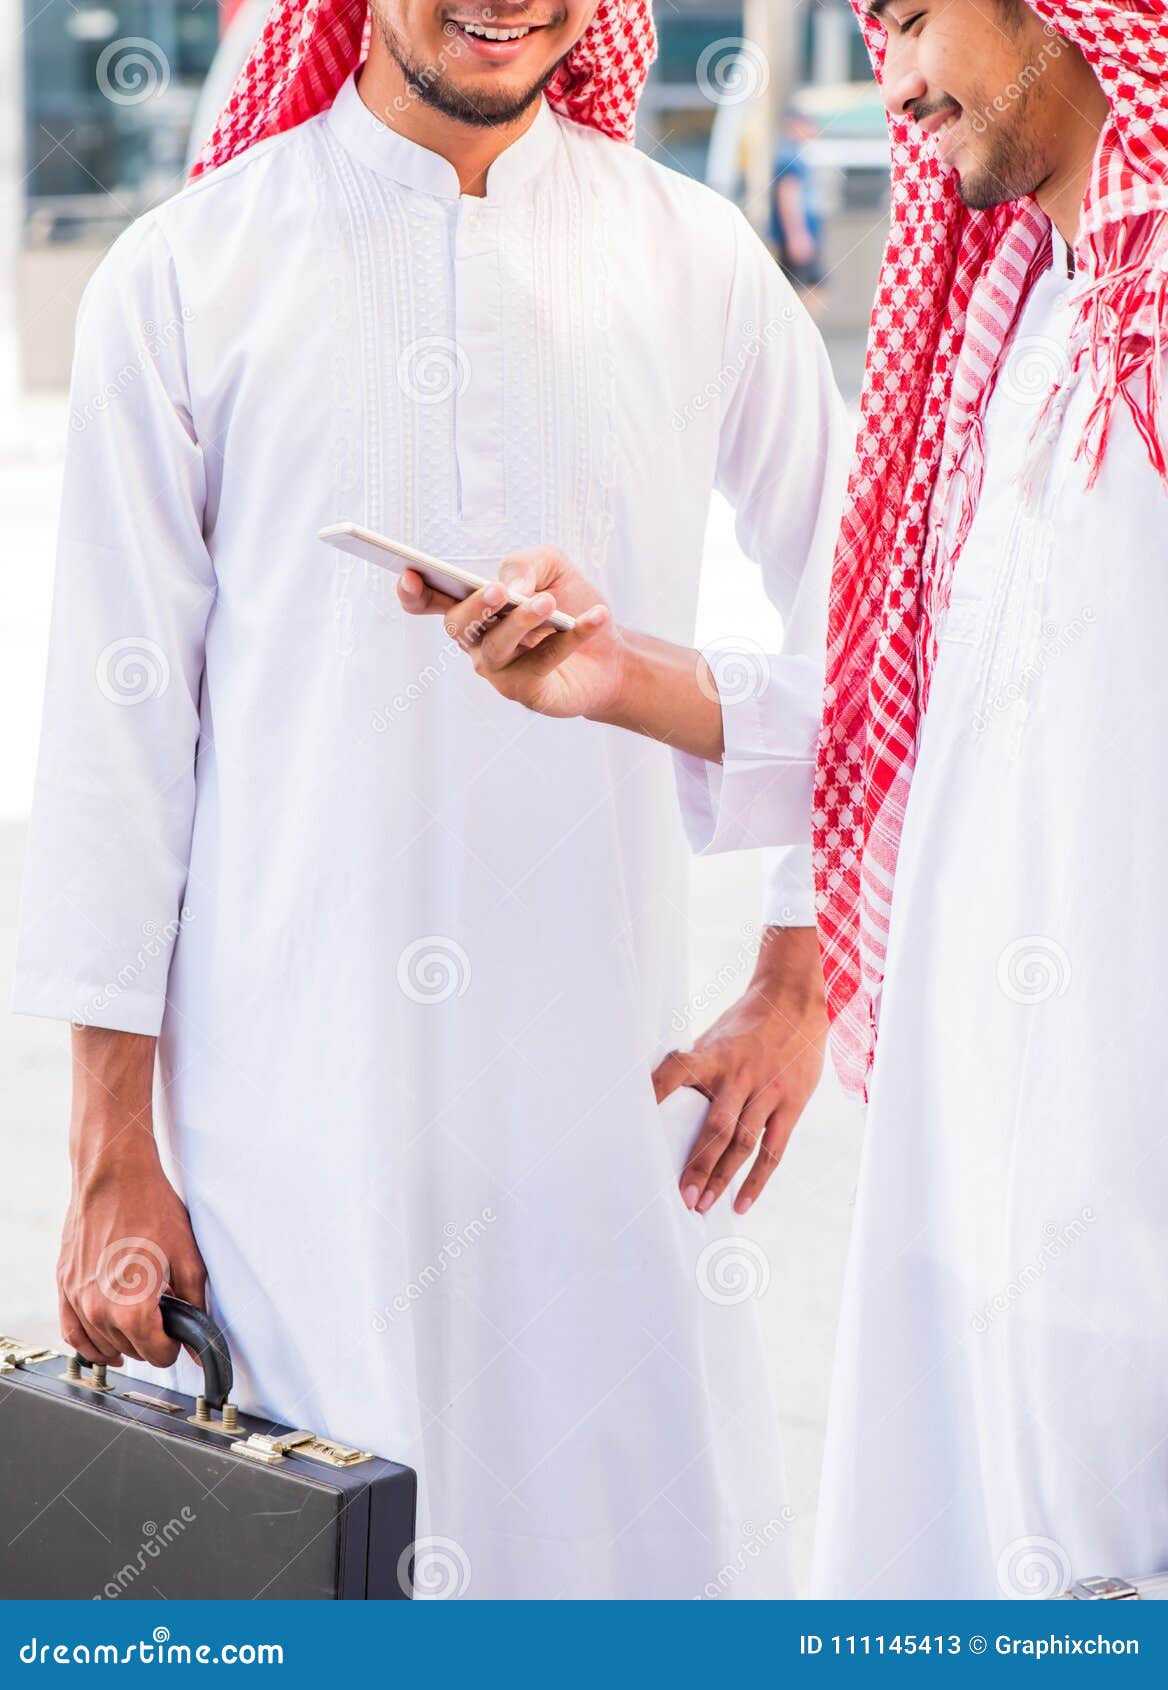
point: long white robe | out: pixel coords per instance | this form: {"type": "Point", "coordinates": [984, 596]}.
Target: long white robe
{"type": "Point", "coordinates": [999, 1419]}
{"type": "Point", "coordinates": [411, 951]}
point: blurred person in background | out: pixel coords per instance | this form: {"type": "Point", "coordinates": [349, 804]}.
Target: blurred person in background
{"type": "Point", "coordinates": [796, 224]}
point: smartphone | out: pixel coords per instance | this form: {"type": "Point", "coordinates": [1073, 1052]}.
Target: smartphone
{"type": "Point", "coordinates": [445, 578]}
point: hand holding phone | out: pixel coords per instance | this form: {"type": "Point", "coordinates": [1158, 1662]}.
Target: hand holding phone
{"type": "Point", "coordinates": [449, 578]}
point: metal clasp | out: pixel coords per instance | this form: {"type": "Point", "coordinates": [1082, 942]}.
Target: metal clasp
{"type": "Point", "coordinates": [1103, 1590]}
{"type": "Point", "coordinates": [14, 1354]}
{"type": "Point", "coordinates": [265, 1447]}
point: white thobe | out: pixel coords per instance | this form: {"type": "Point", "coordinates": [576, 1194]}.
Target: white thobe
{"type": "Point", "coordinates": [411, 951]}
{"type": "Point", "coordinates": [999, 1419]}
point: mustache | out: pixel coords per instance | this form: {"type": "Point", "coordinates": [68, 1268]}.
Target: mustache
{"type": "Point", "coordinates": [921, 110]}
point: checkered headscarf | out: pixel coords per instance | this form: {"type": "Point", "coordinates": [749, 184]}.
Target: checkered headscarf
{"type": "Point", "coordinates": [951, 287]}
{"type": "Point", "coordinates": [308, 48]}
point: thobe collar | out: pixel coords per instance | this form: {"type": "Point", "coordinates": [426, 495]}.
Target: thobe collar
{"type": "Point", "coordinates": [414, 166]}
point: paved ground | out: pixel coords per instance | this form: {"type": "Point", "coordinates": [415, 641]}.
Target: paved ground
{"type": "Point", "coordinates": [807, 1213]}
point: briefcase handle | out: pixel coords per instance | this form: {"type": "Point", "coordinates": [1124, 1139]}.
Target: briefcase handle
{"type": "Point", "coordinates": [191, 1325]}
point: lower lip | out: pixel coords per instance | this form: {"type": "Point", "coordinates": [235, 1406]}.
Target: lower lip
{"type": "Point", "coordinates": [495, 52]}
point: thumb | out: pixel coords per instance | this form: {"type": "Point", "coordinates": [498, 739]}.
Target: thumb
{"type": "Point", "coordinates": [679, 1068]}
{"type": "Point", "coordinates": [525, 572]}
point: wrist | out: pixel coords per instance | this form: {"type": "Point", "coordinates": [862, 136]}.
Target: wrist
{"type": "Point", "coordinates": [614, 711]}
{"type": "Point", "coordinates": [105, 1144]}
{"type": "Point", "coordinates": [789, 973]}
{"type": "Point", "coordinates": [666, 692]}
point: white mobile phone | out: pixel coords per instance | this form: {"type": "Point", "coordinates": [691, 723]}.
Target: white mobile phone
{"type": "Point", "coordinates": [445, 578]}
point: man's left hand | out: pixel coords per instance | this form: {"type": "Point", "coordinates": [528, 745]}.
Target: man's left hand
{"type": "Point", "coordinates": [758, 1065]}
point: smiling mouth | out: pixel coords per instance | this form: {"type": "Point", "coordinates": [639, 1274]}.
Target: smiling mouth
{"type": "Point", "coordinates": [938, 122]}
{"type": "Point", "coordinates": [493, 38]}
{"type": "Point", "coordinates": [482, 32]}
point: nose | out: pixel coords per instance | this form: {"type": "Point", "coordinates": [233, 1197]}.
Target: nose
{"type": "Point", "coordinates": [902, 82]}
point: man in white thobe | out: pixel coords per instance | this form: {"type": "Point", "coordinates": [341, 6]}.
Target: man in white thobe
{"type": "Point", "coordinates": [409, 958]}
{"type": "Point", "coordinates": [999, 1422]}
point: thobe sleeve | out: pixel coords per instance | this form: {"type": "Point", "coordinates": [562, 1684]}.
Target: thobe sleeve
{"type": "Point", "coordinates": [114, 798]}
{"type": "Point", "coordinates": [784, 448]}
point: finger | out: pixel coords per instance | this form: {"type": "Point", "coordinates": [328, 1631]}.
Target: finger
{"type": "Point", "coordinates": [124, 1333]}
{"type": "Point", "coordinates": [104, 1321]}
{"type": "Point", "coordinates": [531, 568]}
{"type": "Point", "coordinates": [91, 1311]}
{"type": "Point", "coordinates": [78, 1337]}
{"type": "Point", "coordinates": [775, 1139]}
{"type": "Point", "coordinates": [188, 1281]}
{"type": "Point", "coordinates": [467, 621]}
{"type": "Point", "coordinates": [419, 599]}
{"type": "Point", "coordinates": [751, 1123]}
{"type": "Point", "coordinates": [537, 637]}
{"type": "Point", "coordinates": [679, 1068]}
{"type": "Point", "coordinates": [502, 642]}
{"type": "Point", "coordinates": [550, 653]}
{"type": "Point", "coordinates": [717, 1131]}
{"type": "Point", "coordinates": [144, 1331]}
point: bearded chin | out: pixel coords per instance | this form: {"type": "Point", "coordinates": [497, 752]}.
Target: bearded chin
{"type": "Point", "coordinates": [485, 108]}
{"type": "Point", "coordinates": [1007, 172]}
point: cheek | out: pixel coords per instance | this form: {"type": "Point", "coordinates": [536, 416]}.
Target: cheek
{"type": "Point", "coordinates": [944, 64]}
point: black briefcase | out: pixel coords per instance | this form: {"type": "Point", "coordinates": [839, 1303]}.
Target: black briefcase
{"type": "Point", "coordinates": [113, 1489]}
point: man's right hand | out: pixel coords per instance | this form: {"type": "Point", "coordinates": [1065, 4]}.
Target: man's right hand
{"type": "Point", "coordinates": [516, 649]}
{"type": "Point", "coordinates": [608, 674]}
{"type": "Point", "coordinates": [127, 1235]}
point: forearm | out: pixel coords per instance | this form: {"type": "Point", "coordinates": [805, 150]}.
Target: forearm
{"type": "Point", "coordinates": [668, 693]}
{"type": "Point", "coordinates": [113, 1079]}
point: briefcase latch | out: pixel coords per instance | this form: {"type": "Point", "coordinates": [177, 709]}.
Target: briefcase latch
{"type": "Point", "coordinates": [1103, 1590]}
{"type": "Point", "coordinates": [14, 1354]}
{"type": "Point", "coordinates": [262, 1446]}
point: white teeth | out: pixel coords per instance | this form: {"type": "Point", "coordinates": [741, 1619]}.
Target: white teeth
{"type": "Point", "coordinates": [486, 34]}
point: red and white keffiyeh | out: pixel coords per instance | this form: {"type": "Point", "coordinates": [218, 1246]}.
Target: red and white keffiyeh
{"type": "Point", "coordinates": [307, 49]}
{"type": "Point", "coordinates": [951, 286]}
